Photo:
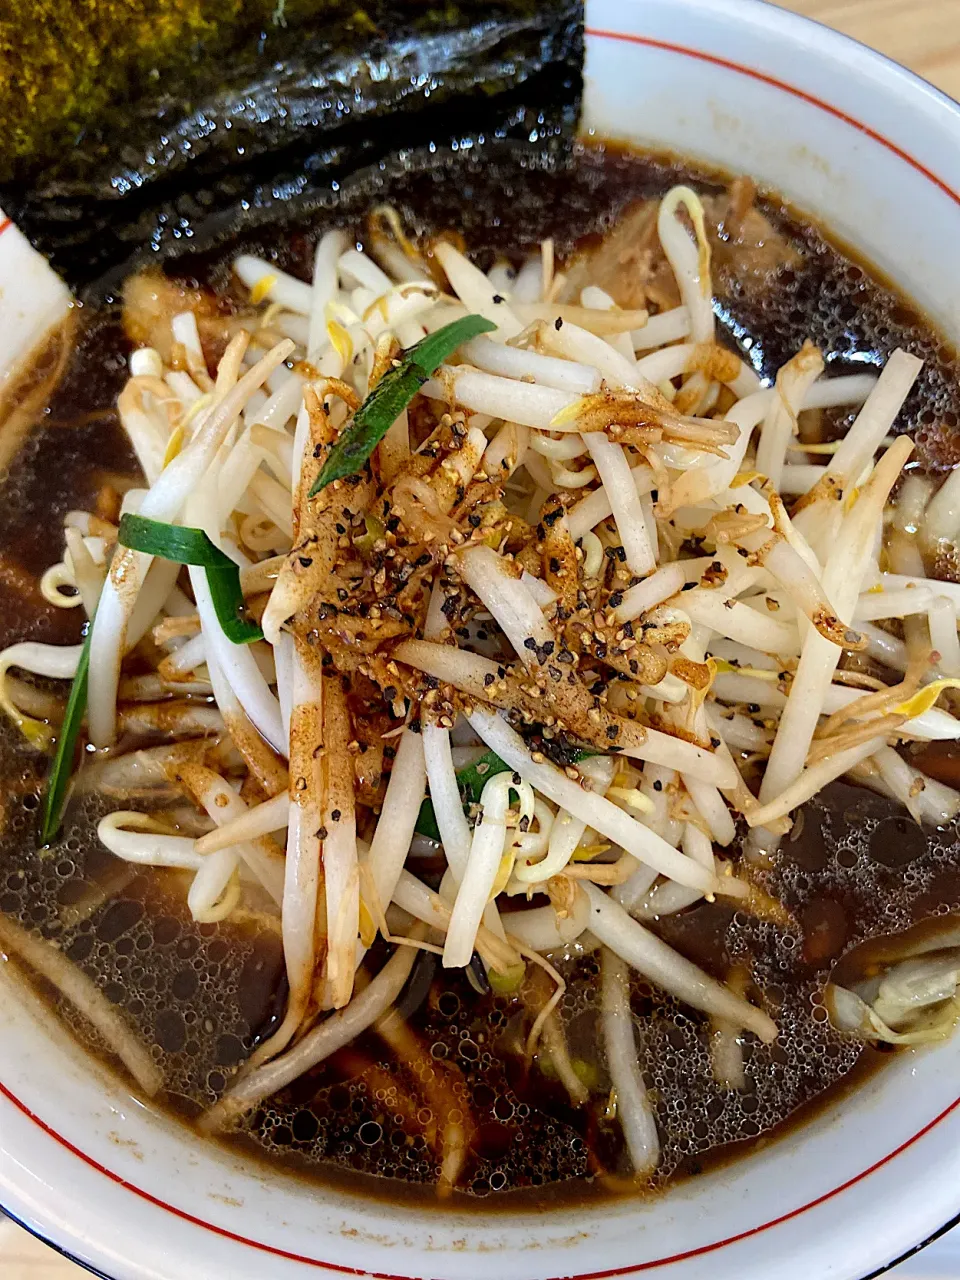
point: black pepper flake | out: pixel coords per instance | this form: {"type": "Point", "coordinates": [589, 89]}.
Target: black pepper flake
{"type": "Point", "coordinates": [414, 726]}
{"type": "Point", "coordinates": [431, 682]}
{"type": "Point", "coordinates": [389, 753]}
{"type": "Point", "coordinates": [422, 560]}
{"type": "Point", "coordinates": [613, 731]}
{"type": "Point", "coordinates": [497, 298]}
{"type": "Point", "coordinates": [658, 785]}
{"type": "Point", "coordinates": [342, 594]}
{"type": "Point", "coordinates": [601, 650]}
{"type": "Point", "coordinates": [688, 586]}
{"type": "Point", "coordinates": [616, 599]}
{"type": "Point", "coordinates": [473, 521]}
{"type": "Point", "coordinates": [753, 708]}
{"type": "Point", "coordinates": [390, 692]}
{"type": "Point", "coordinates": [335, 815]}
{"type": "Point", "coordinates": [482, 635]}
{"type": "Point", "coordinates": [488, 679]}
{"type": "Point", "coordinates": [558, 323]}
{"type": "Point", "coordinates": [554, 564]}
{"type": "Point", "coordinates": [551, 517]}
{"type": "Point", "coordinates": [715, 743]}
{"type": "Point", "coordinates": [321, 833]}
{"type": "Point", "coordinates": [530, 643]}
{"type": "Point", "coordinates": [547, 648]}
{"type": "Point", "coordinates": [463, 633]}
{"type": "Point", "coordinates": [340, 528]}
{"type": "Point", "coordinates": [517, 779]}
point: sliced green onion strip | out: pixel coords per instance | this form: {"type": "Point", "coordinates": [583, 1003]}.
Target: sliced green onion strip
{"type": "Point", "coordinates": [391, 395]}
{"type": "Point", "coordinates": [61, 769]}
{"type": "Point", "coordinates": [192, 546]}
{"type": "Point", "coordinates": [471, 779]}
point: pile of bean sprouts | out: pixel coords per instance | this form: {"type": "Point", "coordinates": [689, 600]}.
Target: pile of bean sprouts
{"type": "Point", "coordinates": [574, 550]}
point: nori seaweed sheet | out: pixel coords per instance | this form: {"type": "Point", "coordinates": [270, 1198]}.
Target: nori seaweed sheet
{"type": "Point", "coordinates": [269, 125]}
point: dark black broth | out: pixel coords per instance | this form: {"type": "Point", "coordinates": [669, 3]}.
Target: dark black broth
{"type": "Point", "coordinates": [854, 866]}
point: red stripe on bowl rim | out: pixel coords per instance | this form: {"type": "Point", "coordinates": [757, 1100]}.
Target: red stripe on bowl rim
{"type": "Point", "coordinates": [702, 1250]}
{"type": "Point", "coordinates": [716, 61]}
{"type": "Point", "coordinates": [340, 1269]}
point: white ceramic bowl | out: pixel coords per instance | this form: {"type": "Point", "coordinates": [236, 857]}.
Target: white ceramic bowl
{"type": "Point", "coordinates": [863, 145]}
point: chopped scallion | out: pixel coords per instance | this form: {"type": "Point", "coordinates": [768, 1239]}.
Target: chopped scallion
{"type": "Point", "coordinates": [62, 766]}
{"type": "Point", "coordinates": [192, 546]}
{"type": "Point", "coordinates": [471, 779]}
{"type": "Point", "coordinates": [391, 395]}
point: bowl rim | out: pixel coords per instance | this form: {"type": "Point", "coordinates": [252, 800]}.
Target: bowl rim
{"type": "Point", "coordinates": [772, 16]}
{"type": "Point", "coordinates": [780, 21]}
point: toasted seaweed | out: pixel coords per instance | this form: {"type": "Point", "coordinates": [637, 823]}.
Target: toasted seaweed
{"type": "Point", "coordinates": [206, 121]}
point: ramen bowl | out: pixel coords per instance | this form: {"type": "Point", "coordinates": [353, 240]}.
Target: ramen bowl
{"type": "Point", "coordinates": [863, 146]}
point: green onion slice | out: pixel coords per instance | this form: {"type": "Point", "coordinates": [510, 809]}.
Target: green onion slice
{"type": "Point", "coordinates": [192, 546]}
{"type": "Point", "coordinates": [59, 778]}
{"type": "Point", "coordinates": [391, 395]}
{"type": "Point", "coordinates": [471, 779]}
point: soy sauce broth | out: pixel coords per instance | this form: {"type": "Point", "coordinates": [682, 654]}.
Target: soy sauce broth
{"type": "Point", "coordinates": [854, 865]}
